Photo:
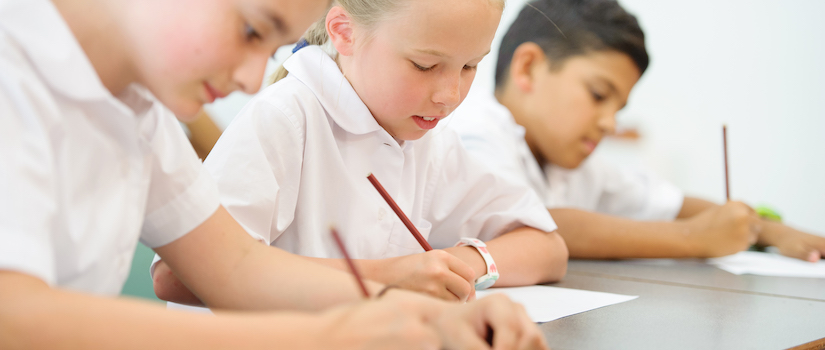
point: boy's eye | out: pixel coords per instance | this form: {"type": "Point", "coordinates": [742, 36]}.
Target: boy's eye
{"type": "Point", "coordinates": [597, 96]}
{"type": "Point", "coordinates": [251, 33]}
{"type": "Point", "coordinates": [422, 68]}
{"type": "Point", "coordinates": [470, 67]}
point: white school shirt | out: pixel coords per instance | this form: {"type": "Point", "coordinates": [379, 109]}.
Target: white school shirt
{"type": "Point", "coordinates": [490, 133]}
{"type": "Point", "coordinates": [294, 162]}
{"type": "Point", "coordinates": [84, 175]}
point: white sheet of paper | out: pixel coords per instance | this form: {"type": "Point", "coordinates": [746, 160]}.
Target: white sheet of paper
{"type": "Point", "coordinates": [768, 264]}
{"type": "Point", "coordinates": [546, 304]}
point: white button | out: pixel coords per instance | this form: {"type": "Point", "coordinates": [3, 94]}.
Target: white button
{"type": "Point", "coordinates": [381, 214]}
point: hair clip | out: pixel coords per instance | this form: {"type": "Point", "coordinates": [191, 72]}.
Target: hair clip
{"type": "Point", "coordinates": [300, 45]}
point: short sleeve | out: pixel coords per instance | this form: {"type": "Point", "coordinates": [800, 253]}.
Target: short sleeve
{"type": "Point", "coordinates": [470, 200]}
{"type": "Point", "coordinates": [257, 165]}
{"type": "Point", "coordinates": [488, 139]}
{"type": "Point", "coordinates": [601, 186]}
{"type": "Point", "coordinates": [28, 196]}
{"type": "Point", "coordinates": [182, 194]}
{"type": "Point", "coordinates": [638, 194]}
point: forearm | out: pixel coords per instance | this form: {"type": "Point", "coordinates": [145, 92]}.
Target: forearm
{"type": "Point", "coordinates": [34, 316]}
{"type": "Point", "coordinates": [525, 256]}
{"type": "Point", "coordinates": [225, 268]}
{"type": "Point", "coordinates": [692, 206]}
{"type": "Point", "coordinates": [597, 236]}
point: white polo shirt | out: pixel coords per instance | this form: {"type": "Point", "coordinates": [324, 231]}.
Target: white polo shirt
{"type": "Point", "coordinates": [490, 133]}
{"type": "Point", "coordinates": [83, 174]}
{"type": "Point", "coordinates": [294, 162]}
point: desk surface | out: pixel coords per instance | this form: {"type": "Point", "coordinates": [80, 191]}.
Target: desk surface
{"type": "Point", "coordinates": [686, 304]}
{"type": "Point", "coordinates": [697, 273]}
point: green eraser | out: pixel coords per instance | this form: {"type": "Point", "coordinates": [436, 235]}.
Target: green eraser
{"type": "Point", "coordinates": [768, 213]}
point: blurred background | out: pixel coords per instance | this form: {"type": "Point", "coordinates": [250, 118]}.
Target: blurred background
{"type": "Point", "coordinates": [753, 65]}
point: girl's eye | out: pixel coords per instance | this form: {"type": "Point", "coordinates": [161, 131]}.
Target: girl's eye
{"type": "Point", "coordinates": [422, 68]}
{"type": "Point", "coordinates": [470, 68]}
{"type": "Point", "coordinates": [251, 33]}
{"type": "Point", "coordinates": [597, 96]}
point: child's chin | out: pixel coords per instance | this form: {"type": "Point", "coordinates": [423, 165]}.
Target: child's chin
{"type": "Point", "coordinates": [186, 111]}
{"type": "Point", "coordinates": [412, 136]}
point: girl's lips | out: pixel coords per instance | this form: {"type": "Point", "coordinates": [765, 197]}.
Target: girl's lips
{"type": "Point", "coordinates": [590, 146]}
{"type": "Point", "coordinates": [426, 124]}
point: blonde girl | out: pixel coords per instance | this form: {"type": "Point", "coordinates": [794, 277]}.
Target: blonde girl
{"type": "Point", "coordinates": [295, 159]}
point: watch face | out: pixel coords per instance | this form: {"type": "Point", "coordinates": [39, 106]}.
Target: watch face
{"type": "Point", "coordinates": [485, 282]}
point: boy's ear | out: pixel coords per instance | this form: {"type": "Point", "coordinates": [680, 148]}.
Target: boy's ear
{"type": "Point", "coordinates": [523, 64]}
{"type": "Point", "coordinates": [339, 28]}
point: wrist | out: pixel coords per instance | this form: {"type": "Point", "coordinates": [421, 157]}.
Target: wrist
{"type": "Point", "coordinates": [772, 233]}
{"type": "Point", "coordinates": [693, 243]}
{"type": "Point", "coordinates": [491, 273]}
{"type": "Point", "coordinates": [471, 257]}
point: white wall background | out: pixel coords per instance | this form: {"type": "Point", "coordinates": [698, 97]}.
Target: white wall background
{"type": "Point", "coordinates": [754, 65]}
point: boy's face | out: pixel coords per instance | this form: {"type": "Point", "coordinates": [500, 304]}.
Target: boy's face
{"type": "Point", "coordinates": [190, 52]}
{"type": "Point", "coordinates": [418, 66]}
{"type": "Point", "coordinates": [571, 108]}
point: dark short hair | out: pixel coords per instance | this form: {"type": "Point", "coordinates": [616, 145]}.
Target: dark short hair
{"type": "Point", "coordinates": [566, 28]}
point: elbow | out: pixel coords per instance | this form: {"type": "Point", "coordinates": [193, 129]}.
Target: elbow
{"type": "Point", "coordinates": [556, 259]}
{"type": "Point", "coordinates": [168, 287]}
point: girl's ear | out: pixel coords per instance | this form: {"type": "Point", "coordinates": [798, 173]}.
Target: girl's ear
{"type": "Point", "coordinates": [523, 64]}
{"type": "Point", "coordinates": [339, 27]}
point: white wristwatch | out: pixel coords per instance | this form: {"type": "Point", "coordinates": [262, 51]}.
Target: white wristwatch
{"type": "Point", "coordinates": [492, 275]}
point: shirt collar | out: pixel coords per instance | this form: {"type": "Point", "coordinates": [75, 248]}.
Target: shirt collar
{"type": "Point", "coordinates": [39, 30]}
{"type": "Point", "coordinates": [318, 71]}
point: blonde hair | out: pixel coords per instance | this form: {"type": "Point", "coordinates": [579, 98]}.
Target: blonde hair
{"type": "Point", "coordinates": [366, 13]}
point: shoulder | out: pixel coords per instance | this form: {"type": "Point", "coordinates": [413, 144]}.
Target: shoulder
{"type": "Point", "coordinates": [286, 103]}
{"type": "Point", "coordinates": [482, 118]}
{"type": "Point", "coordinates": [19, 81]}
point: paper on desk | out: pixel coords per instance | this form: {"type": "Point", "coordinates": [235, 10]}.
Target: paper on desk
{"type": "Point", "coordinates": [768, 264]}
{"type": "Point", "coordinates": [546, 304]}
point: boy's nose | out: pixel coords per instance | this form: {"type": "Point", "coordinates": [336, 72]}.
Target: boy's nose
{"type": "Point", "coordinates": [250, 73]}
{"type": "Point", "coordinates": [607, 122]}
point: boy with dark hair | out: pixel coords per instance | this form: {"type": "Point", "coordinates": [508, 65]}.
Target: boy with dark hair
{"type": "Point", "coordinates": [565, 68]}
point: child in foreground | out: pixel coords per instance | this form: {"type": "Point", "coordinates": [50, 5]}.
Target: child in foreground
{"type": "Point", "coordinates": [295, 160]}
{"type": "Point", "coordinates": [559, 85]}
{"type": "Point", "coordinates": [94, 159]}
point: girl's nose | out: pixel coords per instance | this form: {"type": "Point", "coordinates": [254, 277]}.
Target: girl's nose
{"type": "Point", "coordinates": [250, 73]}
{"type": "Point", "coordinates": [449, 92]}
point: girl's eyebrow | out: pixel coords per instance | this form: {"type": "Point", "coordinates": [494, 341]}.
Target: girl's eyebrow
{"type": "Point", "coordinates": [276, 20]}
{"type": "Point", "coordinates": [431, 52]}
{"type": "Point", "coordinates": [441, 54]}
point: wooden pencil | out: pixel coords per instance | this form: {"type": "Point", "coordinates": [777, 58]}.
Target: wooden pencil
{"type": "Point", "coordinates": [725, 151]}
{"type": "Point", "coordinates": [351, 265]}
{"type": "Point", "coordinates": [423, 242]}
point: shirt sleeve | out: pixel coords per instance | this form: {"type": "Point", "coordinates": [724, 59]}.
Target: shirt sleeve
{"type": "Point", "coordinates": [601, 186]}
{"type": "Point", "coordinates": [638, 194]}
{"type": "Point", "coordinates": [28, 195]}
{"type": "Point", "coordinates": [487, 139]}
{"type": "Point", "coordinates": [182, 194]}
{"type": "Point", "coordinates": [470, 200]}
{"type": "Point", "coordinates": [257, 166]}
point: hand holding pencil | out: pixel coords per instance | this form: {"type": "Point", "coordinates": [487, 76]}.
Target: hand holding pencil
{"type": "Point", "coordinates": [435, 272]}
{"type": "Point", "coordinates": [404, 319]}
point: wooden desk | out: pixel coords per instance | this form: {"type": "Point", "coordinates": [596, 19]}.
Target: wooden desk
{"type": "Point", "coordinates": [686, 304]}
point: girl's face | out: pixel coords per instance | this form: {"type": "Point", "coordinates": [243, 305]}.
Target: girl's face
{"type": "Point", "coordinates": [190, 52]}
{"type": "Point", "coordinates": [569, 110]}
{"type": "Point", "coordinates": [414, 68]}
